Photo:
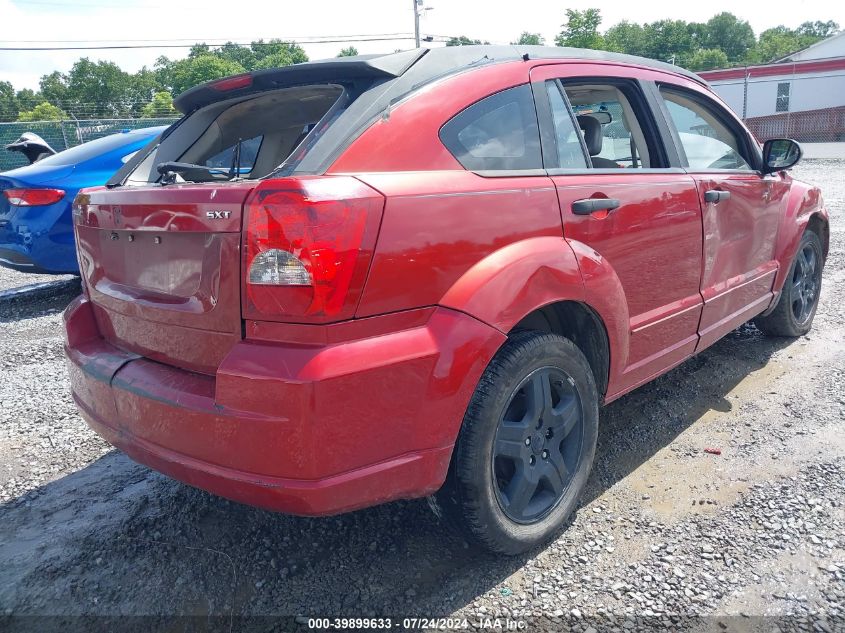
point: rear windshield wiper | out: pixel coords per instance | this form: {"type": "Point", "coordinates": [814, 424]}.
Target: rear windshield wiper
{"type": "Point", "coordinates": [190, 172]}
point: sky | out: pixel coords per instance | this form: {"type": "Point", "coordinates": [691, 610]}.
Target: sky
{"type": "Point", "coordinates": [151, 21]}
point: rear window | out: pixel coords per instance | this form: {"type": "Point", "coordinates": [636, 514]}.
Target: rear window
{"type": "Point", "coordinates": [497, 133]}
{"type": "Point", "coordinates": [260, 133]}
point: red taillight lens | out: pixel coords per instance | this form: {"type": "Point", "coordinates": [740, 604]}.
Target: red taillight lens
{"type": "Point", "coordinates": [235, 82]}
{"type": "Point", "coordinates": [308, 246]}
{"type": "Point", "coordinates": [33, 197]}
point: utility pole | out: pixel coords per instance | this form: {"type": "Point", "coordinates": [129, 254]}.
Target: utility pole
{"type": "Point", "coordinates": [417, 4]}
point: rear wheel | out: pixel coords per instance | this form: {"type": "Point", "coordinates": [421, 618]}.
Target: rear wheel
{"type": "Point", "coordinates": [799, 299]}
{"type": "Point", "coordinates": [526, 445]}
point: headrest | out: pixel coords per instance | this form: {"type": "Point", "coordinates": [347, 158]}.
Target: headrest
{"type": "Point", "coordinates": [592, 133]}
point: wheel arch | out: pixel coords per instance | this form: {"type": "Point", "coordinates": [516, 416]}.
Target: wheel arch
{"type": "Point", "coordinates": [582, 325]}
{"type": "Point", "coordinates": [555, 285]}
{"type": "Point", "coordinates": [804, 210]}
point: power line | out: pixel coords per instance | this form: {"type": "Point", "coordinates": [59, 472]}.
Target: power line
{"type": "Point", "coordinates": [151, 46]}
{"type": "Point", "coordinates": [303, 38]}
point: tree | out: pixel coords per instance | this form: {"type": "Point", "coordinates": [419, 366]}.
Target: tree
{"type": "Point", "coordinates": [53, 87]}
{"type": "Point", "coordinates": [774, 43]}
{"type": "Point", "coordinates": [9, 106]}
{"type": "Point", "coordinates": [626, 37]}
{"type": "Point", "coordinates": [581, 29]}
{"type": "Point", "coordinates": [530, 39]}
{"type": "Point", "coordinates": [28, 99]}
{"type": "Point", "coordinates": [817, 30]}
{"type": "Point", "coordinates": [669, 40]}
{"type": "Point", "coordinates": [96, 89]}
{"type": "Point", "coordinates": [192, 71]}
{"type": "Point", "coordinates": [281, 53]}
{"type": "Point", "coordinates": [463, 40]}
{"type": "Point", "coordinates": [161, 106]}
{"type": "Point", "coordinates": [242, 55]}
{"type": "Point", "coordinates": [730, 34]}
{"type": "Point", "coordinates": [781, 41]}
{"type": "Point", "coordinates": [43, 112]}
{"type": "Point", "coordinates": [349, 51]}
{"type": "Point", "coordinates": [708, 59]}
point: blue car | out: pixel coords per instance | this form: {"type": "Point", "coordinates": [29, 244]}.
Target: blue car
{"type": "Point", "coordinates": [36, 225]}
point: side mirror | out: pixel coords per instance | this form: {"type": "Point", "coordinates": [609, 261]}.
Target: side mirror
{"type": "Point", "coordinates": [780, 154]}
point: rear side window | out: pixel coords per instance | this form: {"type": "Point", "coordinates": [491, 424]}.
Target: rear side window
{"type": "Point", "coordinates": [707, 142]}
{"type": "Point", "coordinates": [497, 133]}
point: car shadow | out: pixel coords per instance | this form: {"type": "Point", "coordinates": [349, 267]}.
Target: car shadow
{"type": "Point", "coordinates": [116, 538]}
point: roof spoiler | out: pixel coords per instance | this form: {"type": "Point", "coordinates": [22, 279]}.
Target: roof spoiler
{"type": "Point", "coordinates": [357, 67]}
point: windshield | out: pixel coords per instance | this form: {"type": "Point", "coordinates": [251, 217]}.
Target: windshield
{"type": "Point", "coordinates": [93, 149]}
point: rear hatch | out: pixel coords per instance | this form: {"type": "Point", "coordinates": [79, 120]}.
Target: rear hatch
{"type": "Point", "coordinates": [160, 246]}
{"type": "Point", "coordinates": [162, 268]}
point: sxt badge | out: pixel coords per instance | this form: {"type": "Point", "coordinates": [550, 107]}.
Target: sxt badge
{"type": "Point", "coordinates": [218, 215]}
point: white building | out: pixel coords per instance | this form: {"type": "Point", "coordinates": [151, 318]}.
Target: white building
{"type": "Point", "coordinates": [801, 96]}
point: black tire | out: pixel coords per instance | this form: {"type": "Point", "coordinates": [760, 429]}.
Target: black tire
{"type": "Point", "coordinates": [799, 299]}
{"type": "Point", "coordinates": [476, 496]}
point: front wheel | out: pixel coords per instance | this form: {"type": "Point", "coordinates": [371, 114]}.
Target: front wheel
{"type": "Point", "coordinates": [526, 445]}
{"type": "Point", "coordinates": [799, 299]}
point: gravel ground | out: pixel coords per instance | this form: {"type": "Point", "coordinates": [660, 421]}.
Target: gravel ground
{"type": "Point", "coordinates": [667, 535]}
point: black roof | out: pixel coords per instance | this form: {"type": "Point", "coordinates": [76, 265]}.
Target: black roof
{"type": "Point", "coordinates": [419, 65]}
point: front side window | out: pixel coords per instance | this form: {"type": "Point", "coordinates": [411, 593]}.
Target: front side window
{"type": "Point", "coordinates": [497, 133]}
{"type": "Point", "coordinates": [707, 142]}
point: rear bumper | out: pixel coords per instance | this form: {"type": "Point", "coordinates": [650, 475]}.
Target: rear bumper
{"type": "Point", "coordinates": [308, 429]}
{"type": "Point", "coordinates": [38, 239]}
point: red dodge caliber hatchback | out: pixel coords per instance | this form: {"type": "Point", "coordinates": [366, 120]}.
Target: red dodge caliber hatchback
{"type": "Point", "coordinates": [340, 283]}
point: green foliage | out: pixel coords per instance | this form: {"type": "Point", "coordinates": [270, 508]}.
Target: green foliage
{"type": "Point", "coordinates": [669, 40]}
{"type": "Point", "coordinates": [43, 112]}
{"type": "Point", "coordinates": [281, 53]}
{"type": "Point", "coordinates": [98, 88]}
{"type": "Point", "coordinates": [161, 106]}
{"type": "Point", "coordinates": [463, 40]}
{"type": "Point", "coordinates": [53, 87]}
{"type": "Point", "coordinates": [186, 73]}
{"type": "Point", "coordinates": [205, 63]}
{"type": "Point", "coordinates": [780, 41]}
{"type": "Point", "coordinates": [708, 59]}
{"type": "Point", "coordinates": [581, 29]}
{"type": "Point", "coordinates": [626, 37]}
{"type": "Point", "coordinates": [728, 33]}
{"type": "Point", "coordinates": [817, 30]}
{"type": "Point", "coordinates": [724, 40]}
{"type": "Point", "coordinates": [28, 99]}
{"type": "Point", "coordinates": [8, 102]}
{"type": "Point", "coordinates": [530, 39]}
{"type": "Point", "coordinates": [102, 89]}
{"type": "Point", "coordinates": [349, 51]}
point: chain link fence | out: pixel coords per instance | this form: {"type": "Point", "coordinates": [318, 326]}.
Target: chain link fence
{"type": "Point", "coordinates": [62, 135]}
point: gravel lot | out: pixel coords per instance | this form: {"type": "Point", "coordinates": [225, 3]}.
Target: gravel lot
{"type": "Point", "coordinates": [666, 532]}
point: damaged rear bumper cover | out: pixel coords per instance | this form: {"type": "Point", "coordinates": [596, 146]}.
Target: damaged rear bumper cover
{"type": "Point", "coordinates": [307, 441]}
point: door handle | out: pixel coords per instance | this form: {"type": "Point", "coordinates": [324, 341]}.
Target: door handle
{"type": "Point", "coordinates": [714, 195]}
{"type": "Point", "coordinates": [591, 205]}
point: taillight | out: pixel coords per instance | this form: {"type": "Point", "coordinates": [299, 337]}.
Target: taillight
{"type": "Point", "coordinates": [309, 242]}
{"type": "Point", "coordinates": [235, 82]}
{"type": "Point", "coordinates": [33, 197]}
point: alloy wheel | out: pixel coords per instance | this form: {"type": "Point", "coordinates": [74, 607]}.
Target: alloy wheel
{"type": "Point", "coordinates": [537, 445]}
{"type": "Point", "coordinates": [805, 284]}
